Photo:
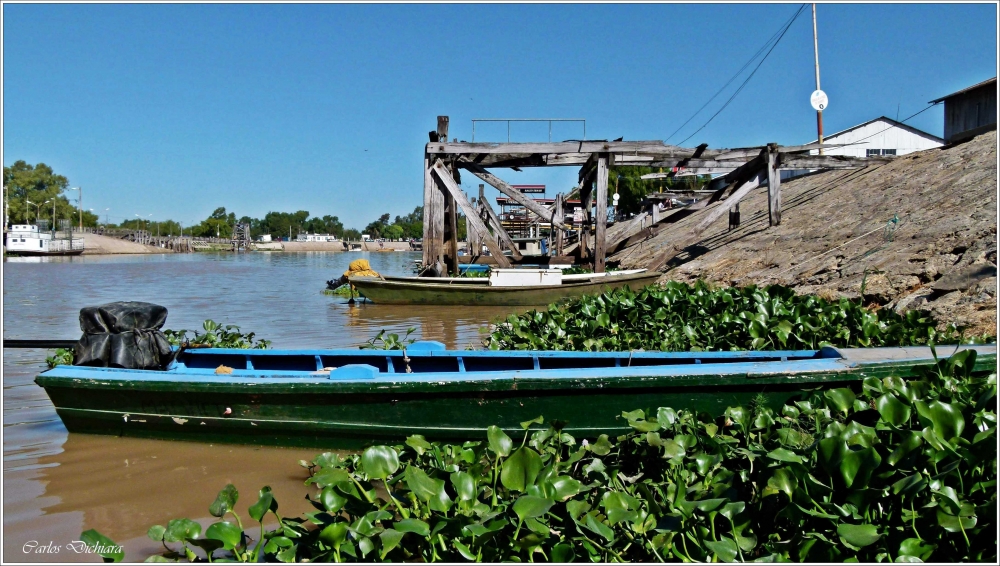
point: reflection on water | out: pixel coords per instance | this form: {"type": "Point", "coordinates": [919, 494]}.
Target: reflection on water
{"type": "Point", "coordinates": [57, 485]}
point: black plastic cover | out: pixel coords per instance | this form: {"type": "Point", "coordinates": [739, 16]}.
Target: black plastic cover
{"type": "Point", "coordinates": [123, 335]}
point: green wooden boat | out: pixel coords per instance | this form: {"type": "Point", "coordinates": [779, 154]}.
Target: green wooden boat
{"type": "Point", "coordinates": [349, 398]}
{"type": "Point", "coordinates": [473, 291]}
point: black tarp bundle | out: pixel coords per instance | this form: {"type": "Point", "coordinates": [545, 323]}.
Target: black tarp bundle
{"type": "Point", "coordinates": [123, 335]}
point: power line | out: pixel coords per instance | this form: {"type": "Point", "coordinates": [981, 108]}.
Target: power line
{"type": "Point", "coordinates": [783, 31]}
{"type": "Point", "coordinates": [733, 78]}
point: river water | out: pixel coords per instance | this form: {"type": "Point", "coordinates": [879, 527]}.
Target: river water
{"type": "Point", "coordinates": [57, 485]}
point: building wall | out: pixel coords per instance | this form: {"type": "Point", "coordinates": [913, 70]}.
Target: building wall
{"type": "Point", "coordinates": [879, 135]}
{"type": "Point", "coordinates": [970, 113]}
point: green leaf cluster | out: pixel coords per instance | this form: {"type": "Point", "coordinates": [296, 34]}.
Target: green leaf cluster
{"type": "Point", "coordinates": [682, 317]}
{"type": "Point", "coordinates": [392, 341]}
{"type": "Point", "coordinates": [216, 335]}
{"type": "Point", "coordinates": [892, 471]}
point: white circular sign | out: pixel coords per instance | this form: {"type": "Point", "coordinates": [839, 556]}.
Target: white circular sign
{"type": "Point", "coordinates": [819, 100]}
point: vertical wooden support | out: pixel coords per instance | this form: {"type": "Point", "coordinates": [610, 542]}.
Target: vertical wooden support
{"type": "Point", "coordinates": [601, 220]}
{"type": "Point", "coordinates": [586, 203]}
{"type": "Point", "coordinates": [481, 213]}
{"type": "Point", "coordinates": [452, 243]}
{"type": "Point", "coordinates": [773, 185]}
{"type": "Point", "coordinates": [557, 231]}
{"type": "Point", "coordinates": [433, 217]}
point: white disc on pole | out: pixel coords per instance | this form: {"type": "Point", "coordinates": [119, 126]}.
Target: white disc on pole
{"type": "Point", "coordinates": [819, 100]}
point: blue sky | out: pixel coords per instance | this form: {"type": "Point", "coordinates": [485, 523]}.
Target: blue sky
{"type": "Point", "coordinates": [174, 110]}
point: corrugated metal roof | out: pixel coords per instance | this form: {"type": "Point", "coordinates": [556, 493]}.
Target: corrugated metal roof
{"type": "Point", "coordinates": [973, 87]}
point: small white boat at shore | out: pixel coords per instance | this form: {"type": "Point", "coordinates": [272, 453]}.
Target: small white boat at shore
{"type": "Point", "coordinates": [27, 239]}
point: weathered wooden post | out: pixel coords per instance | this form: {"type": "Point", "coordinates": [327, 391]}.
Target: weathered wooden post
{"type": "Point", "coordinates": [773, 185]}
{"type": "Point", "coordinates": [557, 228]}
{"type": "Point", "coordinates": [434, 203]}
{"type": "Point", "coordinates": [601, 222]}
{"type": "Point", "coordinates": [586, 202]}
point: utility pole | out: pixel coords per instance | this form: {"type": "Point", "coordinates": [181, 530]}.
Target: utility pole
{"type": "Point", "coordinates": [81, 205]}
{"type": "Point", "coordinates": [819, 112]}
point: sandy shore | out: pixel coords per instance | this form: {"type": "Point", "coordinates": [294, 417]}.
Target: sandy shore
{"type": "Point", "coordinates": [95, 245]}
{"type": "Point", "coordinates": [339, 246]}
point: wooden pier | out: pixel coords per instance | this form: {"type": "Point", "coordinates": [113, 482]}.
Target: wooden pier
{"type": "Point", "coordinates": [741, 170]}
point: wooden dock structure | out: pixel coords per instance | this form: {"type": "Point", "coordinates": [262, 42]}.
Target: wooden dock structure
{"type": "Point", "coordinates": [740, 171]}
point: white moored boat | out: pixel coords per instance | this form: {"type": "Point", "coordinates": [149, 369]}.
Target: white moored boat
{"type": "Point", "coordinates": [27, 239]}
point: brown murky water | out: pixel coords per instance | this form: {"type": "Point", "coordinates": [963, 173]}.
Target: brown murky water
{"type": "Point", "coordinates": [56, 484]}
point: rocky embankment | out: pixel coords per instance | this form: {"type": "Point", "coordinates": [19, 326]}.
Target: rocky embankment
{"type": "Point", "coordinates": [918, 232]}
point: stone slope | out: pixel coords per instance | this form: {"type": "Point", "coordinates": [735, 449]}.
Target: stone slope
{"type": "Point", "coordinates": [837, 230]}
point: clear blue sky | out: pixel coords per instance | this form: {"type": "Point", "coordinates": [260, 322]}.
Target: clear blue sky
{"type": "Point", "coordinates": [174, 110]}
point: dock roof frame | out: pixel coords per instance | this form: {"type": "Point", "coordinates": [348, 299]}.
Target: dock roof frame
{"type": "Point", "coordinates": [741, 167]}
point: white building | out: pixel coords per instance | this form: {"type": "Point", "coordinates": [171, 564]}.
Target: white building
{"type": "Point", "coordinates": [315, 238]}
{"type": "Point", "coordinates": [881, 136]}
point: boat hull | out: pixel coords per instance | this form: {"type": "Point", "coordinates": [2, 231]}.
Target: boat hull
{"type": "Point", "coordinates": [395, 291]}
{"type": "Point", "coordinates": [353, 410]}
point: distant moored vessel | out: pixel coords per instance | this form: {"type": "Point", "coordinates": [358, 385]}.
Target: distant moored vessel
{"type": "Point", "coordinates": [27, 239]}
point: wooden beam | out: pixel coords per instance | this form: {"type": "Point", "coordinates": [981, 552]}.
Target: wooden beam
{"type": "Point", "coordinates": [442, 129]}
{"type": "Point", "coordinates": [773, 186]}
{"type": "Point", "coordinates": [498, 227]}
{"type": "Point", "coordinates": [731, 201]}
{"type": "Point", "coordinates": [689, 171]}
{"type": "Point", "coordinates": [556, 229]}
{"type": "Point", "coordinates": [452, 212]}
{"type": "Point", "coordinates": [582, 148]}
{"type": "Point", "coordinates": [586, 204]}
{"type": "Point", "coordinates": [448, 183]}
{"type": "Point", "coordinates": [600, 230]}
{"type": "Point", "coordinates": [517, 196]}
{"type": "Point", "coordinates": [433, 243]}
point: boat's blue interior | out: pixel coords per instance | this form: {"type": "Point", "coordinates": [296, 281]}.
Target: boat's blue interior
{"type": "Point", "coordinates": [432, 357]}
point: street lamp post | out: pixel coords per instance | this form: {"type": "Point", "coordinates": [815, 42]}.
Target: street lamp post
{"type": "Point", "coordinates": [79, 203]}
{"type": "Point", "coordinates": [107, 217]}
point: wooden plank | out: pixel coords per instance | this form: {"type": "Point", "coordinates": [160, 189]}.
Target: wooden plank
{"type": "Point", "coordinates": [448, 183]}
{"type": "Point", "coordinates": [517, 196]}
{"type": "Point", "coordinates": [558, 231]}
{"type": "Point", "coordinates": [433, 245]}
{"type": "Point", "coordinates": [586, 203]}
{"type": "Point", "coordinates": [601, 222]}
{"type": "Point", "coordinates": [582, 149]}
{"type": "Point", "coordinates": [504, 237]}
{"type": "Point", "coordinates": [688, 171]}
{"type": "Point", "coordinates": [773, 186]}
{"type": "Point", "coordinates": [725, 205]}
{"type": "Point", "coordinates": [452, 212]}
{"type": "Point", "coordinates": [442, 129]}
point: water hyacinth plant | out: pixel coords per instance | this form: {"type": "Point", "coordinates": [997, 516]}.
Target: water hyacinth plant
{"type": "Point", "coordinates": [217, 335]}
{"type": "Point", "coordinates": [896, 471]}
{"type": "Point", "coordinates": [680, 317]}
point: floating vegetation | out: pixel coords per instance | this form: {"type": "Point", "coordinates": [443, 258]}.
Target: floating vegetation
{"type": "Point", "coordinates": [680, 317]}
{"type": "Point", "coordinates": [217, 335]}
{"type": "Point", "coordinates": [898, 471]}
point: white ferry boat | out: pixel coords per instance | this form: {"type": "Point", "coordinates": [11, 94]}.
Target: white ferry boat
{"type": "Point", "coordinates": [26, 239]}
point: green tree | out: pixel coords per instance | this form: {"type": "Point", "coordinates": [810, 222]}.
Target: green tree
{"type": "Point", "coordinates": [393, 232]}
{"type": "Point", "coordinates": [377, 228]}
{"type": "Point", "coordinates": [40, 185]}
{"type": "Point", "coordinates": [631, 188]}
